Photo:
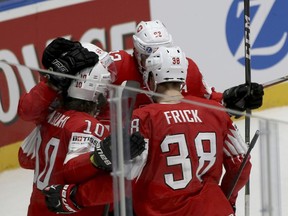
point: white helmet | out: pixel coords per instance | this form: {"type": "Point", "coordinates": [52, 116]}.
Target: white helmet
{"type": "Point", "coordinates": [167, 64]}
{"type": "Point", "coordinates": [148, 38]}
{"type": "Point", "coordinates": [104, 58]}
{"type": "Point", "coordinates": [93, 80]}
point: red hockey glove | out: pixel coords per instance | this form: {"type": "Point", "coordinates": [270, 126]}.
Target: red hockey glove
{"type": "Point", "coordinates": [102, 157]}
{"type": "Point", "coordinates": [59, 198]}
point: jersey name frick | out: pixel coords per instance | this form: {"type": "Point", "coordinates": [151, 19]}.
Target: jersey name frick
{"type": "Point", "coordinates": [180, 116]}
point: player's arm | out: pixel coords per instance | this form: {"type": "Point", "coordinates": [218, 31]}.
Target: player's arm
{"type": "Point", "coordinates": [80, 168]}
{"type": "Point", "coordinates": [237, 98]}
{"type": "Point", "coordinates": [195, 83]}
{"type": "Point", "coordinates": [77, 164]}
{"type": "Point", "coordinates": [71, 198]}
{"type": "Point", "coordinates": [34, 105]}
{"type": "Point", "coordinates": [101, 157]}
{"type": "Point", "coordinates": [88, 153]}
{"type": "Point", "coordinates": [26, 152]}
{"type": "Point", "coordinates": [25, 161]}
{"type": "Point", "coordinates": [234, 152]}
{"type": "Point", "coordinates": [97, 190]}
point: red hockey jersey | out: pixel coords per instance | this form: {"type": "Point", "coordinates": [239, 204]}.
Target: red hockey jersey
{"type": "Point", "coordinates": [187, 148]}
{"type": "Point", "coordinates": [127, 69]}
{"type": "Point", "coordinates": [56, 149]}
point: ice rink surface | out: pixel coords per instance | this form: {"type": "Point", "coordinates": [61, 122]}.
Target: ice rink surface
{"type": "Point", "coordinates": [16, 185]}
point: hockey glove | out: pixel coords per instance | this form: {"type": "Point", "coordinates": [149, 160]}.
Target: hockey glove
{"type": "Point", "coordinates": [237, 97]}
{"type": "Point", "coordinates": [137, 144]}
{"type": "Point", "coordinates": [102, 156]}
{"type": "Point", "coordinates": [67, 57]}
{"type": "Point", "coordinates": [255, 99]}
{"type": "Point", "coordinates": [55, 49]}
{"type": "Point", "coordinates": [59, 198]}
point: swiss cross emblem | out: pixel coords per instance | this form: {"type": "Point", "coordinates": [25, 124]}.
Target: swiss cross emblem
{"type": "Point", "coordinates": [139, 28]}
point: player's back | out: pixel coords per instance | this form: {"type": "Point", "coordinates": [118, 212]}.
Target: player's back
{"type": "Point", "coordinates": [61, 129]}
{"type": "Point", "coordinates": [185, 151]}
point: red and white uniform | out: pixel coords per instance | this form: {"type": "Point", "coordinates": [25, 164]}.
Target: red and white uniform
{"type": "Point", "coordinates": [33, 107]}
{"type": "Point", "coordinates": [58, 151]}
{"type": "Point", "coordinates": [127, 69]}
{"type": "Point", "coordinates": [187, 148]}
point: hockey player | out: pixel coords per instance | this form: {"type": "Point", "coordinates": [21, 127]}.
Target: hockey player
{"type": "Point", "coordinates": [188, 146]}
{"type": "Point", "coordinates": [151, 35]}
{"type": "Point", "coordinates": [68, 132]}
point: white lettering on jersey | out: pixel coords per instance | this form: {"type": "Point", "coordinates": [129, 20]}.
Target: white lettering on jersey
{"type": "Point", "coordinates": [64, 198]}
{"type": "Point", "coordinates": [102, 155]}
{"type": "Point", "coordinates": [134, 125]}
{"type": "Point", "coordinates": [80, 140]}
{"type": "Point", "coordinates": [58, 119]}
{"type": "Point", "coordinates": [80, 143]}
{"type": "Point", "coordinates": [180, 116]}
